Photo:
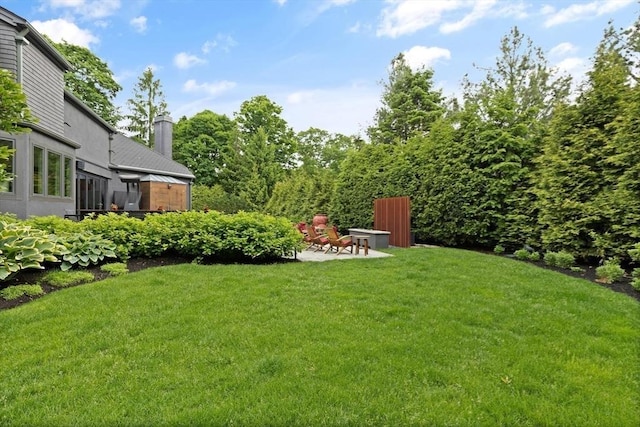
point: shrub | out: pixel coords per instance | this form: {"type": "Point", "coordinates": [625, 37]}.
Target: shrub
{"type": "Point", "coordinates": [635, 252]}
{"type": "Point", "coordinates": [22, 247]}
{"type": "Point", "coordinates": [636, 279]}
{"type": "Point", "coordinates": [498, 250]}
{"type": "Point", "coordinates": [62, 279]}
{"type": "Point", "coordinates": [14, 292]}
{"type": "Point", "coordinates": [521, 254]}
{"type": "Point", "coordinates": [121, 229]}
{"type": "Point", "coordinates": [84, 249]}
{"type": "Point", "coordinates": [534, 256]}
{"type": "Point", "coordinates": [610, 271]}
{"type": "Point", "coordinates": [115, 268]}
{"type": "Point", "coordinates": [53, 224]}
{"type": "Point", "coordinates": [560, 259]}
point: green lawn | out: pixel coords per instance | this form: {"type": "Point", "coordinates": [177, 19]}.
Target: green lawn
{"type": "Point", "coordinates": [427, 337]}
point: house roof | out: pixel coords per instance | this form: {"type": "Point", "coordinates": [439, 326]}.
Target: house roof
{"type": "Point", "coordinates": [131, 156]}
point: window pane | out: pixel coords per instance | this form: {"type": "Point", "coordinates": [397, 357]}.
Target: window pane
{"type": "Point", "coordinates": [38, 170]}
{"type": "Point", "coordinates": [54, 171]}
{"type": "Point", "coordinates": [67, 177]}
{"type": "Point", "coordinates": [7, 164]}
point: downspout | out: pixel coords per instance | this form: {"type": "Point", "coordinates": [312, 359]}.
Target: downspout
{"type": "Point", "coordinates": [20, 41]}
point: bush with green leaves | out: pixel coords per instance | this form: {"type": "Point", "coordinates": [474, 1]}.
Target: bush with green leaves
{"type": "Point", "coordinates": [121, 229]}
{"type": "Point", "coordinates": [610, 271]}
{"type": "Point", "coordinates": [63, 279]}
{"type": "Point", "coordinates": [14, 292]}
{"type": "Point", "coordinates": [635, 282]}
{"type": "Point", "coordinates": [115, 268]}
{"type": "Point", "coordinates": [498, 250]}
{"type": "Point", "coordinates": [634, 253]}
{"type": "Point", "coordinates": [84, 249]}
{"type": "Point", "coordinates": [54, 224]}
{"type": "Point", "coordinates": [521, 254]}
{"type": "Point", "coordinates": [22, 247]}
{"type": "Point", "coordinates": [560, 259]}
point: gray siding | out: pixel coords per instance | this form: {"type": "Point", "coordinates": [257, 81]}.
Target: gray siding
{"type": "Point", "coordinates": [93, 138]}
{"type": "Point", "coordinates": [8, 58]}
{"type": "Point", "coordinates": [43, 83]}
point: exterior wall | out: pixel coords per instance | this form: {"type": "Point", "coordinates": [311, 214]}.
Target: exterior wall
{"type": "Point", "coordinates": [8, 58]}
{"type": "Point", "coordinates": [93, 138]}
{"type": "Point", "coordinates": [22, 201]}
{"type": "Point", "coordinates": [158, 196]}
{"type": "Point", "coordinates": [43, 83]}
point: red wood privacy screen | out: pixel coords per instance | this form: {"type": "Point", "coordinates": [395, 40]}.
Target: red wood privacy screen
{"type": "Point", "coordinates": [394, 214]}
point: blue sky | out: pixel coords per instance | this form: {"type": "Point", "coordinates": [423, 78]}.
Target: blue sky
{"type": "Point", "coordinates": [322, 61]}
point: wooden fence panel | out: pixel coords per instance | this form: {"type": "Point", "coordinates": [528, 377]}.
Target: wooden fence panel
{"type": "Point", "coordinates": [393, 214]}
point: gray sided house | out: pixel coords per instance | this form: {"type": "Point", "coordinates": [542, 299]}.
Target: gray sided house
{"type": "Point", "coordinates": [72, 161]}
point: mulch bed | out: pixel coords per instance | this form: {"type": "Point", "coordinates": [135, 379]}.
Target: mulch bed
{"type": "Point", "coordinates": [137, 264]}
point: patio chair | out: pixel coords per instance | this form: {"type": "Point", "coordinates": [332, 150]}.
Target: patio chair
{"type": "Point", "coordinates": [339, 242]}
{"type": "Point", "coordinates": [317, 240]}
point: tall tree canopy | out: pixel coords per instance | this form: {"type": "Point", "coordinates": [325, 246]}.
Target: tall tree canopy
{"type": "Point", "coordinates": [147, 103]}
{"type": "Point", "coordinates": [319, 149]}
{"type": "Point", "coordinates": [410, 104]}
{"type": "Point", "coordinates": [261, 113]}
{"type": "Point", "coordinates": [199, 143]}
{"type": "Point", "coordinates": [91, 81]}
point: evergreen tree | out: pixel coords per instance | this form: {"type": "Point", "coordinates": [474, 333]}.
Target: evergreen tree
{"type": "Point", "coordinates": [410, 104]}
{"type": "Point", "coordinates": [147, 103]}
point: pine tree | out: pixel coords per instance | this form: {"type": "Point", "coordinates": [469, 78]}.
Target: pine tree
{"type": "Point", "coordinates": [147, 103]}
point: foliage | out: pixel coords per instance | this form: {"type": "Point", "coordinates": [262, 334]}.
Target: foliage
{"type": "Point", "coordinates": [115, 268]}
{"type": "Point", "coordinates": [302, 195]}
{"type": "Point", "coordinates": [610, 271]}
{"type": "Point", "coordinates": [521, 254]}
{"type": "Point", "coordinates": [410, 104]}
{"type": "Point", "coordinates": [215, 198]}
{"type": "Point", "coordinates": [91, 81]}
{"type": "Point", "coordinates": [147, 103]}
{"type": "Point", "coordinates": [560, 259]}
{"type": "Point", "coordinates": [14, 292]}
{"type": "Point", "coordinates": [261, 115]}
{"type": "Point", "coordinates": [63, 279]}
{"type": "Point", "coordinates": [13, 112]}
{"type": "Point", "coordinates": [534, 256]}
{"type": "Point", "coordinates": [23, 247]}
{"type": "Point", "coordinates": [318, 149]}
{"type": "Point", "coordinates": [199, 143]}
{"type": "Point", "coordinates": [84, 249]}
{"type": "Point", "coordinates": [13, 105]}
{"type": "Point", "coordinates": [54, 224]}
{"type": "Point", "coordinates": [635, 282]}
{"type": "Point", "coordinates": [121, 229]}
{"type": "Point", "coordinates": [499, 249]}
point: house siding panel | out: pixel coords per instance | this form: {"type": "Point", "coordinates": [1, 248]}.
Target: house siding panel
{"type": "Point", "coordinates": [43, 83]}
{"type": "Point", "coordinates": [8, 57]}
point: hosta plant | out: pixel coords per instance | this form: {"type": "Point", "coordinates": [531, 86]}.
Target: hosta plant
{"type": "Point", "coordinates": [22, 247]}
{"type": "Point", "coordinates": [84, 249]}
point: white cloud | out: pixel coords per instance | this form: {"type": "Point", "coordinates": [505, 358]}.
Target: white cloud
{"type": "Point", "coordinates": [223, 42]}
{"type": "Point", "coordinates": [212, 89]}
{"type": "Point", "coordinates": [280, 2]}
{"type": "Point", "coordinates": [421, 56]}
{"type": "Point", "coordinates": [582, 11]}
{"type": "Point", "coordinates": [574, 66]}
{"type": "Point", "coordinates": [480, 10]}
{"type": "Point", "coordinates": [61, 29]}
{"type": "Point", "coordinates": [563, 49]}
{"type": "Point", "coordinates": [355, 28]}
{"type": "Point", "coordinates": [87, 9]}
{"type": "Point", "coordinates": [139, 24]}
{"type": "Point", "coordinates": [407, 16]}
{"type": "Point", "coordinates": [184, 60]}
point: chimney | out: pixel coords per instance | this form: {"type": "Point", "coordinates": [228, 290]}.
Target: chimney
{"type": "Point", "coordinates": [163, 136]}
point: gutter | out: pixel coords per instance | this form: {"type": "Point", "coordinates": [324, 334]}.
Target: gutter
{"type": "Point", "coordinates": [152, 171]}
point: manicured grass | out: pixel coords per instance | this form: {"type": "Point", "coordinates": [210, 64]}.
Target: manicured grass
{"type": "Point", "coordinates": [427, 337]}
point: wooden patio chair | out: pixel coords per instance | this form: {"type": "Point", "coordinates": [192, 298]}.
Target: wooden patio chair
{"type": "Point", "coordinates": [317, 240]}
{"type": "Point", "coordinates": [339, 242]}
